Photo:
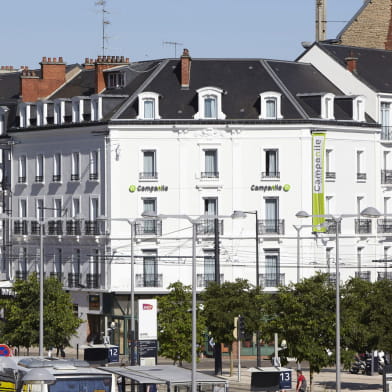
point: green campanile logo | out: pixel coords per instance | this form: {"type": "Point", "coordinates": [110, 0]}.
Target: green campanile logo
{"type": "Point", "coordinates": [286, 187]}
{"type": "Point", "coordinates": [132, 188]}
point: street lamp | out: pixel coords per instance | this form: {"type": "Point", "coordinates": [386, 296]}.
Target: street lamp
{"type": "Point", "coordinates": [242, 214]}
{"type": "Point", "coordinates": [369, 212]}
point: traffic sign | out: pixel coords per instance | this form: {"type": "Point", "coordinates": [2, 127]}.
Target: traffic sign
{"type": "Point", "coordinates": [5, 351]}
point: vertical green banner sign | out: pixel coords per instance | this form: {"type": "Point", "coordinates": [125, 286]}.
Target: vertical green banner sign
{"type": "Point", "coordinates": [318, 153]}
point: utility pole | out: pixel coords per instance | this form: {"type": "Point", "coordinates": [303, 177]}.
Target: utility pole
{"type": "Point", "coordinates": [321, 20]}
{"type": "Point", "coordinates": [217, 347]}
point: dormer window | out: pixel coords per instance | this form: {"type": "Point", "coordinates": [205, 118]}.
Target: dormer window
{"type": "Point", "coordinates": [270, 105]}
{"type": "Point", "coordinates": [116, 80]}
{"type": "Point", "coordinates": [210, 104]}
{"type": "Point", "coordinates": [3, 119]}
{"type": "Point", "coordinates": [96, 108]}
{"type": "Point", "coordinates": [148, 106]}
{"type": "Point", "coordinates": [327, 107]}
{"type": "Point", "coordinates": [359, 108]}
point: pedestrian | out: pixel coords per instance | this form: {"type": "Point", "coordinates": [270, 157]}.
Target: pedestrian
{"type": "Point", "coordinates": [301, 382]}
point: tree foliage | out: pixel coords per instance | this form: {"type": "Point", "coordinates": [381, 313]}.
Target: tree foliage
{"type": "Point", "coordinates": [21, 325]}
{"type": "Point", "coordinates": [175, 324]}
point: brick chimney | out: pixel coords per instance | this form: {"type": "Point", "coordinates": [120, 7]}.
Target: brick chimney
{"type": "Point", "coordinates": [105, 62]}
{"type": "Point", "coordinates": [34, 87]}
{"type": "Point", "coordinates": [185, 69]}
{"type": "Point", "coordinates": [351, 63]}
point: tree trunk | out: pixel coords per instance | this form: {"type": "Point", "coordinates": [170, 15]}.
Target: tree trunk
{"type": "Point", "coordinates": [311, 380]}
{"type": "Point", "coordinates": [231, 360]}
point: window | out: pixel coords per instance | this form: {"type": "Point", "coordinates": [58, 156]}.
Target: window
{"type": "Point", "coordinates": [116, 79]}
{"type": "Point", "coordinates": [209, 266]}
{"type": "Point", "coordinates": [93, 165]}
{"type": "Point", "coordinates": [75, 207]}
{"type": "Point", "coordinates": [57, 265]}
{"type": "Point", "coordinates": [210, 164]}
{"type": "Point", "coordinates": [57, 167]}
{"type": "Point", "coordinates": [76, 262]}
{"type": "Point", "coordinates": [58, 112]}
{"type": "Point", "coordinates": [96, 108]}
{"type": "Point", "coordinates": [272, 268]}
{"type": "Point", "coordinates": [75, 169]}
{"type": "Point", "coordinates": [21, 271]}
{"type": "Point", "coordinates": [23, 208]}
{"type": "Point", "coordinates": [329, 207]}
{"type": "Point", "coordinates": [272, 215]}
{"type": "Point", "coordinates": [328, 257]}
{"type": "Point", "coordinates": [22, 169]}
{"type": "Point", "coordinates": [359, 109]}
{"type": "Point", "coordinates": [385, 120]}
{"type": "Point", "coordinates": [94, 208]}
{"type": "Point", "coordinates": [39, 176]}
{"type": "Point", "coordinates": [57, 208]}
{"type": "Point", "coordinates": [271, 165]}
{"type": "Point", "coordinates": [207, 226]}
{"type": "Point", "coordinates": [361, 175]}
{"type": "Point", "coordinates": [148, 106]}
{"type": "Point", "coordinates": [150, 207]}
{"type": "Point", "coordinates": [359, 258]}
{"type": "Point", "coordinates": [210, 103]}
{"type": "Point", "coordinates": [329, 169]}
{"type": "Point", "coordinates": [150, 268]}
{"type": "Point", "coordinates": [149, 166]}
{"type": "Point", "coordinates": [3, 119]}
{"type": "Point", "coordinates": [39, 212]}
{"type": "Point", "coordinates": [270, 105]}
{"type": "Point", "coordinates": [327, 106]}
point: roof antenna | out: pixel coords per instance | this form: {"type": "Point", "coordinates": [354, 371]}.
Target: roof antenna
{"type": "Point", "coordinates": [105, 21]}
{"type": "Point", "coordinates": [175, 44]}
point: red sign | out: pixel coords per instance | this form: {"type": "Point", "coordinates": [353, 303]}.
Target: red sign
{"type": "Point", "coordinates": [5, 351]}
{"type": "Point", "coordinates": [147, 307]}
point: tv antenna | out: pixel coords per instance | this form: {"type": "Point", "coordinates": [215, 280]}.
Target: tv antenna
{"type": "Point", "coordinates": [105, 22]}
{"type": "Point", "coordinates": [175, 44]}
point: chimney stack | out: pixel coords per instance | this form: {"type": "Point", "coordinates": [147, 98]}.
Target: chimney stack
{"type": "Point", "coordinates": [185, 69]}
{"type": "Point", "coordinates": [105, 62]}
{"type": "Point", "coordinates": [351, 63]}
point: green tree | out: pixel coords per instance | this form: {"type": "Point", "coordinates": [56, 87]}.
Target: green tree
{"type": "Point", "coordinates": [175, 324]}
{"type": "Point", "coordinates": [304, 315]}
{"type": "Point", "coordinates": [222, 303]}
{"type": "Point", "coordinates": [21, 325]}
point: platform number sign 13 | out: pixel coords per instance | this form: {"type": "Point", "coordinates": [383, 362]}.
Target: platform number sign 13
{"type": "Point", "coordinates": [285, 380]}
{"type": "Point", "coordinates": [113, 354]}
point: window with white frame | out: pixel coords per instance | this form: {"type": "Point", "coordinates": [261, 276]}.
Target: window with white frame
{"type": "Point", "coordinates": [57, 264]}
{"type": "Point", "coordinates": [75, 207]}
{"type": "Point", "coordinates": [271, 164]}
{"type": "Point", "coordinates": [270, 105]}
{"type": "Point", "coordinates": [77, 109]}
{"type": "Point", "coordinates": [3, 119]}
{"type": "Point", "coordinates": [39, 168]}
{"type": "Point", "coordinates": [57, 167]}
{"type": "Point", "coordinates": [271, 223]}
{"type": "Point", "coordinates": [150, 268]}
{"type": "Point", "coordinates": [21, 271]}
{"type": "Point", "coordinates": [359, 108]}
{"type": "Point", "coordinates": [210, 164]}
{"type": "Point", "coordinates": [22, 169]}
{"type": "Point", "coordinates": [39, 210]}
{"type": "Point", "coordinates": [328, 258]}
{"type": "Point", "coordinates": [94, 208]}
{"type": "Point", "coordinates": [361, 174]}
{"type": "Point", "coordinates": [385, 120]}
{"type": "Point", "coordinates": [41, 113]}
{"type": "Point", "coordinates": [327, 106]}
{"type": "Point", "coordinates": [329, 205]}
{"type": "Point", "coordinates": [210, 104]}
{"type": "Point", "coordinates": [93, 165]}
{"type": "Point", "coordinates": [58, 112]}
{"type": "Point", "coordinates": [75, 166]}
{"type": "Point", "coordinates": [57, 208]}
{"type": "Point", "coordinates": [330, 173]}
{"type": "Point", "coordinates": [96, 107]}
{"type": "Point", "coordinates": [149, 207]}
{"type": "Point", "coordinates": [149, 166]}
{"type": "Point", "coordinates": [116, 79]}
{"type": "Point", "coordinates": [148, 106]}
{"type": "Point", "coordinates": [273, 277]}
{"type": "Point", "coordinates": [23, 208]}
{"type": "Point", "coordinates": [387, 201]}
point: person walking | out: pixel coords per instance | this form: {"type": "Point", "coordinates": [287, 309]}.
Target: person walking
{"type": "Point", "coordinates": [301, 382]}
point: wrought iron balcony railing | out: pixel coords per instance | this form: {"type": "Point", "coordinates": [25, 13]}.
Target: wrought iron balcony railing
{"type": "Point", "coordinates": [21, 227]}
{"type": "Point", "coordinates": [330, 175]}
{"type": "Point", "coordinates": [20, 275]}
{"type": "Point", "coordinates": [363, 226]}
{"type": "Point", "coordinates": [149, 280]}
{"type": "Point", "coordinates": [384, 225]}
{"type": "Point", "coordinates": [331, 226]}
{"type": "Point", "coordinates": [204, 279]}
{"type": "Point", "coordinates": [207, 227]}
{"type": "Point", "coordinates": [364, 275]}
{"type": "Point", "coordinates": [270, 226]}
{"type": "Point", "coordinates": [386, 176]}
{"type": "Point", "coordinates": [92, 281]}
{"type": "Point", "coordinates": [148, 175]}
{"type": "Point", "coordinates": [55, 227]}
{"type": "Point", "coordinates": [39, 178]}
{"type": "Point", "coordinates": [94, 227]}
{"type": "Point", "coordinates": [384, 275]}
{"type": "Point", "coordinates": [93, 176]}
{"type": "Point", "coordinates": [270, 175]}
{"type": "Point", "coordinates": [73, 227]}
{"type": "Point", "coordinates": [148, 227]}
{"type": "Point", "coordinates": [75, 177]}
{"type": "Point", "coordinates": [56, 177]}
{"type": "Point", "coordinates": [21, 179]}
{"type": "Point", "coordinates": [209, 174]}
{"type": "Point", "coordinates": [271, 280]}
{"type": "Point", "coordinates": [74, 279]}
{"type": "Point", "coordinates": [361, 176]}
{"type": "Point", "coordinates": [386, 133]}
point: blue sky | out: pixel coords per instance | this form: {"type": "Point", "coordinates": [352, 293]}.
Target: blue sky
{"type": "Point", "coordinates": [72, 29]}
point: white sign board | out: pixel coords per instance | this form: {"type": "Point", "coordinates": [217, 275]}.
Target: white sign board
{"type": "Point", "coordinates": [148, 329]}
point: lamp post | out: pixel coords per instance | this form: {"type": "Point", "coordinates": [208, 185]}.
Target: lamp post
{"type": "Point", "coordinates": [369, 212]}
{"type": "Point", "coordinates": [242, 214]}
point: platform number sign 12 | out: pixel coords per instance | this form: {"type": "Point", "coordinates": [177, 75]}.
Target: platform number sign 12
{"type": "Point", "coordinates": [113, 354]}
{"type": "Point", "coordinates": [285, 380]}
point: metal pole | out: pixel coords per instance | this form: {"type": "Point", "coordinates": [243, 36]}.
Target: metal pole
{"type": "Point", "coordinates": [239, 349]}
{"type": "Point", "coordinates": [132, 351]}
{"type": "Point", "coordinates": [298, 228]}
{"type": "Point", "coordinates": [41, 290]}
{"type": "Point", "coordinates": [194, 331]}
{"type": "Point", "coordinates": [258, 354]}
{"type": "Point", "coordinates": [217, 347]}
{"type": "Point", "coordinates": [337, 222]}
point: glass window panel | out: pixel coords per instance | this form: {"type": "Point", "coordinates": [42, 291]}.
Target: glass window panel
{"type": "Point", "coordinates": [149, 109]}
{"type": "Point", "coordinates": [210, 107]}
{"type": "Point", "coordinates": [271, 107]}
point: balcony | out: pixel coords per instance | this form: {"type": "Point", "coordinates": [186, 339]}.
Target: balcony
{"type": "Point", "coordinates": [92, 281]}
{"type": "Point", "coordinates": [204, 279]}
{"type": "Point", "coordinates": [386, 133]}
{"type": "Point", "coordinates": [94, 227]}
{"type": "Point", "coordinates": [74, 280]}
{"type": "Point", "coordinates": [331, 226]}
{"type": "Point", "coordinates": [93, 176]}
{"type": "Point", "coordinates": [20, 275]}
{"type": "Point", "coordinates": [363, 226]}
{"type": "Point", "coordinates": [148, 176]}
{"type": "Point", "coordinates": [21, 179]}
{"type": "Point", "coordinates": [56, 177]}
{"type": "Point", "coordinates": [270, 175]}
{"type": "Point", "coordinates": [384, 275]}
{"type": "Point", "coordinates": [271, 280]}
{"type": "Point", "coordinates": [55, 227]}
{"type": "Point", "coordinates": [75, 177]}
{"type": "Point", "coordinates": [36, 228]}
{"type": "Point", "coordinates": [57, 275]}
{"type": "Point", "coordinates": [386, 176]}
{"type": "Point", "coordinates": [384, 225]}
{"type": "Point", "coordinates": [207, 227]}
{"type": "Point", "coordinates": [73, 227]}
{"type": "Point", "coordinates": [39, 178]}
{"type": "Point", "coordinates": [209, 175]}
{"type": "Point", "coordinates": [332, 278]}
{"type": "Point", "coordinates": [149, 280]}
{"type": "Point", "coordinates": [148, 227]}
{"type": "Point", "coordinates": [21, 227]}
{"type": "Point", "coordinates": [361, 176]}
{"type": "Point", "coordinates": [330, 175]}
{"type": "Point", "coordinates": [270, 226]}
{"type": "Point", "coordinates": [364, 275]}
